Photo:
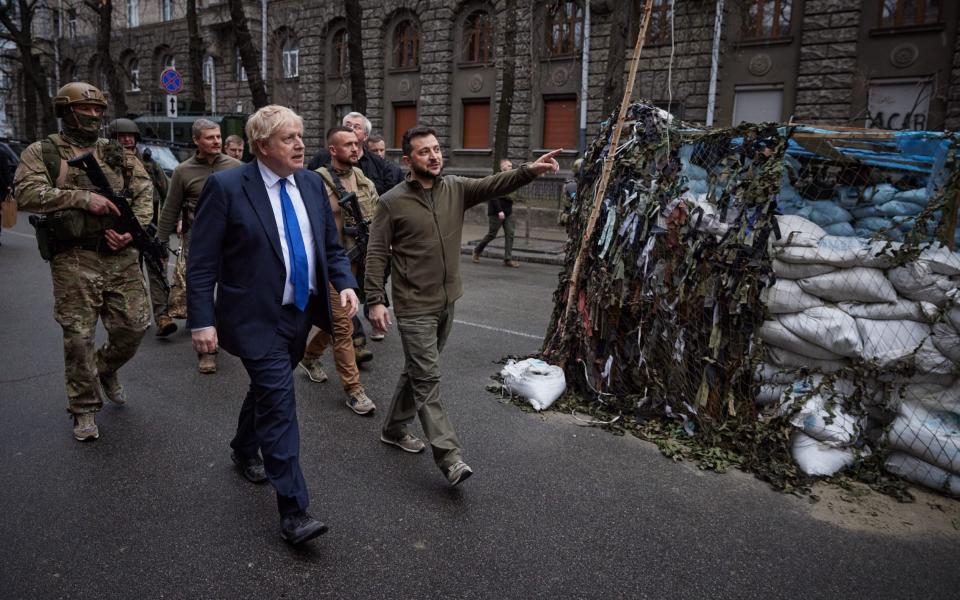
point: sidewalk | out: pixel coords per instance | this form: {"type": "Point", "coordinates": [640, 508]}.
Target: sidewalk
{"type": "Point", "coordinates": [545, 245]}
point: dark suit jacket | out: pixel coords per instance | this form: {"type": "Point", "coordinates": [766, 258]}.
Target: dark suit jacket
{"type": "Point", "coordinates": [235, 246]}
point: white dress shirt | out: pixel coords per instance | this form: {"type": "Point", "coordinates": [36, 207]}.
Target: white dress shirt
{"type": "Point", "coordinates": [272, 182]}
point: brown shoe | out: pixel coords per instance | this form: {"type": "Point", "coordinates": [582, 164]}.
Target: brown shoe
{"type": "Point", "coordinates": [476, 256]}
{"type": "Point", "coordinates": [511, 263]}
{"type": "Point", "coordinates": [165, 326]}
{"type": "Point", "coordinates": [207, 364]}
{"type": "Point", "coordinates": [362, 355]}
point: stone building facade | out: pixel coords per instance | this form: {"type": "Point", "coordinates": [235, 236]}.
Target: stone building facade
{"type": "Point", "coordinates": [882, 63]}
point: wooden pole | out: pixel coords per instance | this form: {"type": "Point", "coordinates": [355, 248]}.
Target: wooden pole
{"type": "Point", "coordinates": [607, 167]}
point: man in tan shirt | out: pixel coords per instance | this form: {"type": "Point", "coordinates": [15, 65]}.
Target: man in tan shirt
{"type": "Point", "coordinates": [181, 207]}
{"type": "Point", "coordinates": [341, 178]}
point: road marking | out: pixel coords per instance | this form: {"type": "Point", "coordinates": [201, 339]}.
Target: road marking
{"type": "Point", "coordinates": [499, 329]}
{"type": "Point", "coordinates": [26, 235]}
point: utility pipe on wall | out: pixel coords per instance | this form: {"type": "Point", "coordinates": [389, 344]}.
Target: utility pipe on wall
{"type": "Point", "coordinates": [714, 64]}
{"type": "Point", "coordinates": [584, 79]}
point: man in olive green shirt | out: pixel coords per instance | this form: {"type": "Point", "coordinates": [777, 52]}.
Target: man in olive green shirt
{"type": "Point", "coordinates": [418, 226]}
{"type": "Point", "coordinates": [181, 206]}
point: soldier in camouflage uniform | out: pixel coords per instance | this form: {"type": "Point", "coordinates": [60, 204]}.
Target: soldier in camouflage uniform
{"type": "Point", "coordinates": [95, 269]}
{"type": "Point", "coordinates": [127, 134]}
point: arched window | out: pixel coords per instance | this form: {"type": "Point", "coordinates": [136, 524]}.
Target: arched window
{"type": "Point", "coordinates": [169, 61]}
{"type": "Point", "coordinates": [406, 45]}
{"type": "Point", "coordinates": [767, 19]}
{"type": "Point", "coordinates": [339, 59]}
{"type": "Point", "coordinates": [477, 38]}
{"type": "Point", "coordinates": [133, 73]}
{"type": "Point", "coordinates": [290, 58]}
{"type": "Point", "coordinates": [564, 27]}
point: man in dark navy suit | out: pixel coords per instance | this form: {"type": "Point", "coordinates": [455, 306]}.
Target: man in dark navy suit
{"type": "Point", "coordinates": [265, 237]}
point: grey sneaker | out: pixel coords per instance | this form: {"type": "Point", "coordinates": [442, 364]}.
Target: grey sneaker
{"type": "Point", "coordinates": [360, 403]}
{"type": "Point", "coordinates": [406, 442]}
{"type": "Point", "coordinates": [85, 427]}
{"type": "Point", "coordinates": [108, 386]}
{"type": "Point", "coordinates": [458, 472]}
{"type": "Point", "coordinates": [313, 369]}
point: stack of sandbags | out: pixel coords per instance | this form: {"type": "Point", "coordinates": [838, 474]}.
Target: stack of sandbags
{"type": "Point", "coordinates": [925, 439]}
{"type": "Point", "coordinates": [841, 302]}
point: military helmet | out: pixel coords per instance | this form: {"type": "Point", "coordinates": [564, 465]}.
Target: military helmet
{"type": "Point", "coordinates": [77, 92]}
{"type": "Point", "coordinates": [119, 126]}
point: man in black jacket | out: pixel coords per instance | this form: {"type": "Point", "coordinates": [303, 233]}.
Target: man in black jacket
{"type": "Point", "coordinates": [384, 174]}
{"type": "Point", "coordinates": [500, 213]}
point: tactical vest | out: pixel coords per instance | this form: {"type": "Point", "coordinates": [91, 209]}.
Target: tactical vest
{"type": "Point", "coordinates": [75, 226]}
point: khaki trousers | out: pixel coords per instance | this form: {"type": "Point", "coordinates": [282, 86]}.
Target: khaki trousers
{"type": "Point", "coordinates": [418, 391]}
{"type": "Point", "coordinates": [343, 354]}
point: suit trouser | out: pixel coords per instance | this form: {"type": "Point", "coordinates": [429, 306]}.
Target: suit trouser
{"type": "Point", "coordinates": [268, 418]}
{"type": "Point", "coordinates": [418, 391]}
{"type": "Point", "coordinates": [344, 355]}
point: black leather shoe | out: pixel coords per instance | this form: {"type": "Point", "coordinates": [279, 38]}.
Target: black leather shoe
{"type": "Point", "coordinates": [299, 528]}
{"type": "Point", "coordinates": [252, 468]}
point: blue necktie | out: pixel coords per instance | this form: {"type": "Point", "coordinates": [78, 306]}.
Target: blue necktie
{"type": "Point", "coordinates": [299, 272]}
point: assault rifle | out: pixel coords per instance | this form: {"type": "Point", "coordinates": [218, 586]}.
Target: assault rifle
{"type": "Point", "coordinates": [360, 231]}
{"type": "Point", "coordinates": [151, 249]}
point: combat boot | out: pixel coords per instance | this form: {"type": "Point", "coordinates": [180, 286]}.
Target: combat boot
{"type": "Point", "coordinates": [108, 386]}
{"type": "Point", "coordinates": [165, 326]}
{"type": "Point", "coordinates": [85, 427]}
{"type": "Point", "coordinates": [207, 363]}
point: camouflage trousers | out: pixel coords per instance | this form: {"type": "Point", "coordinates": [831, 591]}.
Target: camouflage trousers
{"type": "Point", "coordinates": [88, 286]}
{"type": "Point", "coordinates": [158, 296]}
{"type": "Point", "coordinates": [177, 302]}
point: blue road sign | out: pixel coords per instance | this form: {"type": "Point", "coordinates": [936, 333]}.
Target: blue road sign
{"type": "Point", "coordinates": [171, 81]}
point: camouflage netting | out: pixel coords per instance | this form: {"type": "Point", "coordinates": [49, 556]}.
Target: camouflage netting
{"type": "Point", "coordinates": [678, 321]}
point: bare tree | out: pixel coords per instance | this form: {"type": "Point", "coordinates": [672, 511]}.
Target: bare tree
{"type": "Point", "coordinates": [622, 19]}
{"type": "Point", "coordinates": [105, 63]}
{"type": "Point", "coordinates": [196, 57]}
{"type": "Point", "coordinates": [508, 65]}
{"type": "Point", "coordinates": [358, 83]}
{"type": "Point", "coordinates": [249, 54]}
{"type": "Point", "coordinates": [17, 19]}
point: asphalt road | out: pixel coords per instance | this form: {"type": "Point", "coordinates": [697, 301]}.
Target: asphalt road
{"type": "Point", "coordinates": [154, 509]}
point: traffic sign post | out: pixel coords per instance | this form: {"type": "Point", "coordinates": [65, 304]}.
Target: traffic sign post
{"type": "Point", "coordinates": [171, 81]}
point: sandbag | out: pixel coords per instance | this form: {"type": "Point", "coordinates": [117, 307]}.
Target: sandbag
{"type": "Point", "coordinates": [902, 309]}
{"type": "Point", "coordinates": [783, 358]}
{"type": "Point", "coordinates": [896, 208]}
{"type": "Point", "coordinates": [880, 193]}
{"type": "Point", "coordinates": [785, 296]}
{"type": "Point", "coordinates": [827, 422]}
{"type": "Point", "coordinates": [817, 458]}
{"type": "Point", "coordinates": [767, 373]}
{"type": "Point", "coordinates": [923, 473]}
{"type": "Point", "coordinates": [874, 223]}
{"type": "Point", "coordinates": [769, 394]}
{"type": "Point", "coordinates": [930, 435]}
{"type": "Point", "coordinates": [825, 212]}
{"type": "Point", "coordinates": [947, 340]}
{"type": "Point", "coordinates": [540, 383]}
{"type": "Point", "coordinates": [953, 317]}
{"type": "Point", "coordinates": [917, 281]}
{"type": "Point", "coordinates": [941, 259]}
{"type": "Point", "coordinates": [775, 334]}
{"type": "Point", "coordinates": [916, 196]}
{"type": "Point", "coordinates": [856, 284]}
{"type": "Point", "coordinates": [890, 342]}
{"type": "Point", "coordinates": [832, 250]}
{"type": "Point", "coordinates": [785, 270]}
{"type": "Point", "coordinates": [843, 229]}
{"type": "Point", "coordinates": [929, 359]}
{"type": "Point", "coordinates": [864, 212]}
{"type": "Point", "coordinates": [881, 254]}
{"type": "Point", "coordinates": [827, 327]}
{"type": "Point", "coordinates": [797, 231]}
